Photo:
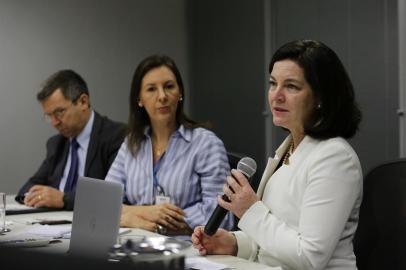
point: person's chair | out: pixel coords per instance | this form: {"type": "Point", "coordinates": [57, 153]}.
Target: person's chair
{"type": "Point", "coordinates": [379, 241]}
{"type": "Point", "coordinates": [234, 158]}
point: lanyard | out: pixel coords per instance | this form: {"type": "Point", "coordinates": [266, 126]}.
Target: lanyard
{"type": "Point", "coordinates": [157, 166]}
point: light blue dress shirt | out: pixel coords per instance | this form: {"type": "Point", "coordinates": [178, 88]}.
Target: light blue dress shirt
{"type": "Point", "coordinates": [83, 140]}
{"type": "Point", "coordinates": [192, 173]}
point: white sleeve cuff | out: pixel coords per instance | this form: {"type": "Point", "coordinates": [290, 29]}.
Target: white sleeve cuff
{"type": "Point", "coordinates": [245, 246]}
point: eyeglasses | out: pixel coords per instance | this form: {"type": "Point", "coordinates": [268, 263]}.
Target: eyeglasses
{"type": "Point", "coordinates": [58, 114]}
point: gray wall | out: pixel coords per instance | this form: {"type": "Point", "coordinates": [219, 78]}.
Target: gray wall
{"type": "Point", "coordinates": [227, 72]}
{"type": "Point", "coordinates": [222, 48]}
{"type": "Point", "coordinates": [103, 40]}
{"type": "Point", "coordinates": [364, 35]}
{"type": "Point", "coordinates": [231, 44]}
{"type": "Point", "coordinates": [402, 75]}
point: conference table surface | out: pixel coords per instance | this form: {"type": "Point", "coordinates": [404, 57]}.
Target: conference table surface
{"type": "Point", "coordinates": [19, 224]}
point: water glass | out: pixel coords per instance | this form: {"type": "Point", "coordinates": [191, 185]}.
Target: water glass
{"type": "Point", "coordinates": [2, 212]}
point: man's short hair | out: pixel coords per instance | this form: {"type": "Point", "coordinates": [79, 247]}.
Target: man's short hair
{"type": "Point", "coordinates": [71, 84]}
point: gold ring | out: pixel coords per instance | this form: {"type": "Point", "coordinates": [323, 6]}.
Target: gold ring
{"type": "Point", "coordinates": [161, 229]}
{"type": "Point", "coordinates": [39, 197]}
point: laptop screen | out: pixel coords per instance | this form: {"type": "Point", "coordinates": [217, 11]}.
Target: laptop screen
{"type": "Point", "coordinates": [96, 217]}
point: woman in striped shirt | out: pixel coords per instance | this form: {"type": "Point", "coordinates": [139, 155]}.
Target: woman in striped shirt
{"type": "Point", "coordinates": [171, 167]}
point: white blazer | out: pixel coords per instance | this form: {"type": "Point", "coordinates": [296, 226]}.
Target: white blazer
{"type": "Point", "coordinates": [308, 212]}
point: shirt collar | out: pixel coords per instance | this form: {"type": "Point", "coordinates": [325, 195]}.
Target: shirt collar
{"type": "Point", "coordinates": [84, 136]}
{"type": "Point", "coordinates": [182, 132]}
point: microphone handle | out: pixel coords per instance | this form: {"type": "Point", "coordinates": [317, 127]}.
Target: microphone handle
{"type": "Point", "coordinates": [219, 213]}
{"type": "Point", "coordinates": [216, 218]}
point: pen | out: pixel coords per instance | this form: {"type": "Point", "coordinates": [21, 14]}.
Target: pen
{"type": "Point", "coordinates": [55, 222]}
{"type": "Point", "coordinates": [51, 222]}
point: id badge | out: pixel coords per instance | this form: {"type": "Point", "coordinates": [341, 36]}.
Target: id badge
{"type": "Point", "coordinates": [159, 199]}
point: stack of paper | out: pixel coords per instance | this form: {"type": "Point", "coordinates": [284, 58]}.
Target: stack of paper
{"type": "Point", "coordinates": [52, 231]}
{"type": "Point", "coordinates": [58, 231]}
{"type": "Point", "coordinates": [203, 263]}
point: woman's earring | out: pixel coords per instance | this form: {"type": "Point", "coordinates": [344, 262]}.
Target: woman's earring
{"type": "Point", "coordinates": [139, 104]}
{"type": "Point", "coordinates": [319, 106]}
{"type": "Point", "coordinates": [181, 98]}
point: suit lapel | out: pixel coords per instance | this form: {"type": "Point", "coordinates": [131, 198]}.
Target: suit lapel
{"type": "Point", "coordinates": [270, 168]}
{"type": "Point", "coordinates": [61, 162]}
{"type": "Point", "coordinates": [93, 142]}
{"type": "Point", "coordinates": [272, 164]}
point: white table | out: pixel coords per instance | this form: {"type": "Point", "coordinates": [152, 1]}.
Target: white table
{"type": "Point", "coordinates": [19, 225]}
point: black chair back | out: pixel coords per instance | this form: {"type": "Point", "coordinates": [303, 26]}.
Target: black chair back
{"type": "Point", "coordinates": [379, 242]}
{"type": "Point", "coordinates": [234, 158]}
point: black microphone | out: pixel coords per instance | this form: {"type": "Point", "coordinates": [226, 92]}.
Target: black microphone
{"type": "Point", "coordinates": [246, 166]}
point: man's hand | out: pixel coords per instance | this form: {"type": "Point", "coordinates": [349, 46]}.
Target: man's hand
{"type": "Point", "coordinates": [44, 196]}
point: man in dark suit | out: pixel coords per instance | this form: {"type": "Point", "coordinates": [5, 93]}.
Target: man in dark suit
{"type": "Point", "coordinates": [86, 145]}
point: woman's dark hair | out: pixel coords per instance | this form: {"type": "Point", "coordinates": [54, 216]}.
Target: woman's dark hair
{"type": "Point", "coordinates": [138, 118]}
{"type": "Point", "coordinates": [336, 112]}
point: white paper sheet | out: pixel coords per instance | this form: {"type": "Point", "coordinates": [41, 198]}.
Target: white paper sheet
{"type": "Point", "coordinates": [202, 263]}
{"type": "Point", "coordinates": [53, 231]}
{"type": "Point", "coordinates": [58, 231]}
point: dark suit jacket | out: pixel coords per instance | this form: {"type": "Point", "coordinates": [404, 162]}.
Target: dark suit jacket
{"type": "Point", "coordinates": [105, 140]}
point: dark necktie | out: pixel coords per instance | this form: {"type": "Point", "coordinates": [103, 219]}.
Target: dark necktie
{"type": "Point", "coordinates": [74, 166]}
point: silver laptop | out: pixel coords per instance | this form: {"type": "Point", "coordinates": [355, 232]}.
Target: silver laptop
{"type": "Point", "coordinates": [96, 217]}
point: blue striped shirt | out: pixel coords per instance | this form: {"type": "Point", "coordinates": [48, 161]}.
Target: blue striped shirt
{"type": "Point", "coordinates": [192, 173]}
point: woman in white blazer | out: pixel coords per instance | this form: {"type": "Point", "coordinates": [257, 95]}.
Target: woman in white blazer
{"type": "Point", "coordinates": [305, 212]}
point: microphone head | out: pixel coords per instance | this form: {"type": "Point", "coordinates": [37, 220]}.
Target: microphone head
{"type": "Point", "coordinates": [247, 166]}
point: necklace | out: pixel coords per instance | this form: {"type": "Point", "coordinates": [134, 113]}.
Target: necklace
{"type": "Point", "coordinates": [288, 154]}
{"type": "Point", "coordinates": [158, 151]}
